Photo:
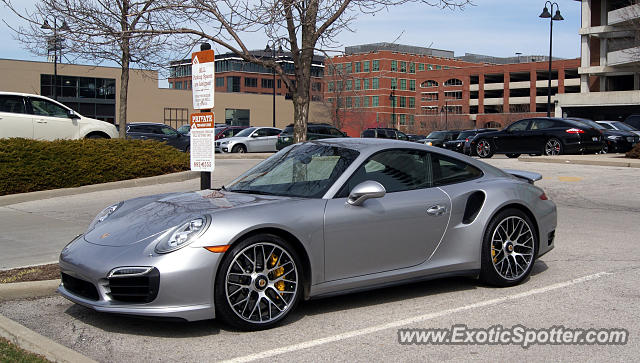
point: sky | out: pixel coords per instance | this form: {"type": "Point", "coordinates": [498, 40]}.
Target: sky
{"type": "Point", "coordinates": [490, 27]}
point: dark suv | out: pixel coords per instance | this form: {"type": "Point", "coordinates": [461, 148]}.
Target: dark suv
{"type": "Point", "coordinates": [634, 121]}
{"type": "Point", "coordinates": [438, 138]}
{"type": "Point", "coordinates": [315, 131]}
{"type": "Point", "coordinates": [160, 132]}
{"type": "Point", "coordinates": [462, 142]}
{"type": "Point", "coordinates": [384, 133]}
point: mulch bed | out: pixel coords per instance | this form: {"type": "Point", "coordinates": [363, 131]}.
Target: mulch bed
{"type": "Point", "coordinates": [34, 273]}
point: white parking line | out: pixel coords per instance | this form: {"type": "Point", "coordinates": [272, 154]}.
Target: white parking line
{"type": "Point", "coordinates": [412, 320]}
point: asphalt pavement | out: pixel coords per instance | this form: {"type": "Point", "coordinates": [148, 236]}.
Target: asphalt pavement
{"type": "Point", "coordinates": [588, 281]}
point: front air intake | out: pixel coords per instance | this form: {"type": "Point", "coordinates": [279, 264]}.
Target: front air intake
{"type": "Point", "coordinates": [132, 286]}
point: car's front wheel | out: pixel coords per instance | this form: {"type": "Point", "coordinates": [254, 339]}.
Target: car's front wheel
{"type": "Point", "coordinates": [239, 149]}
{"type": "Point", "coordinates": [513, 156]}
{"type": "Point", "coordinates": [509, 248]}
{"type": "Point", "coordinates": [484, 149]}
{"type": "Point", "coordinates": [258, 283]}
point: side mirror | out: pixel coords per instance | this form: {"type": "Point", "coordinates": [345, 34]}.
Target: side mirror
{"type": "Point", "coordinates": [72, 115]}
{"type": "Point", "coordinates": [255, 135]}
{"type": "Point", "coordinates": [366, 190]}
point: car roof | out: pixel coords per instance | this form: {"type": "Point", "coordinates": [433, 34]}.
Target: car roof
{"type": "Point", "coordinates": [21, 94]}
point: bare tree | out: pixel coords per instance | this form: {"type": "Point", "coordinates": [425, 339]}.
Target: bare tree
{"type": "Point", "coordinates": [101, 31]}
{"type": "Point", "coordinates": [301, 26]}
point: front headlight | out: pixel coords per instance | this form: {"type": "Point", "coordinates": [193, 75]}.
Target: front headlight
{"type": "Point", "coordinates": [429, 143]}
{"type": "Point", "coordinates": [287, 139]}
{"type": "Point", "coordinates": [182, 235]}
{"type": "Point", "coordinates": [106, 213]}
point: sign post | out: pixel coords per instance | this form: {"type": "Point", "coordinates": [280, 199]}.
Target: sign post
{"type": "Point", "coordinates": [202, 124]}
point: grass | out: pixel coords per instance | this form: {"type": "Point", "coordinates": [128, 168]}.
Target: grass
{"type": "Point", "coordinates": [10, 352]}
{"type": "Point", "coordinates": [33, 165]}
{"type": "Point", "coordinates": [35, 273]}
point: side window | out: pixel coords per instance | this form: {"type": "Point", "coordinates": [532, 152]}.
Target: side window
{"type": "Point", "coordinates": [541, 124]}
{"type": "Point", "coordinates": [227, 133]}
{"type": "Point", "coordinates": [168, 131]}
{"type": "Point", "coordinates": [261, 132]}
{"type": "Point", "coordinates": [396, 170]}
{"type": "Point", "coordinates": [45, 108]}
{"type": "Point", "coordinates": [518, 125]}
{"type": "Point", "coordinates": [368, 133]}
{"type": "Point", "coordinates": [607, 126]}
{"type": "Point", "coordinates": [402, 136]}
{"type": "Point", "coordinates": [335, 132]}
{"type": "Point", "coordinates": [314, 130]}
{"type": "Point", "coordinates": [448, 170]}
{"type": "Point", "coordinates": [12, 104]}
{"type": "Point", "coordinates": [273, 132]}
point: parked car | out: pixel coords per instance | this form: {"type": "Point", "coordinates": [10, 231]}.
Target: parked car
{"type": "Point", "coordinates": [615, 141]}
{"type": "Point", "coordinates": [541, 135]}
{"type": "Point", "coordinates": [357, 214]}
{"type": "Point", "coordinates": [461, 143]}
{"type": "Point", "coordinates": [617, 125]}
{"type": "Point", "coordinates": [315, 131]}
{"type": "Point", "coordinates": [415, 138]}
{"type": "Point", "coordinates": [184, 130]}
{"type": "Point", "coordinates": [438, 138]}
{"type": "Point", "coordinates": [160, 132]}
{"type": "Point", "coordinates": [384, 133]}
{"type": "Point", "coordinates": [225, 132]}
{"type": "Point", "coordinates": [249, 140]}
{"type": "Point", "coordinates": [633, 121]}
{"type": "Point", "coordinates": [37, 117]}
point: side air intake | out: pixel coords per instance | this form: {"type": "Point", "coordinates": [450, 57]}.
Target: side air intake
{"type": "Point", "coordinates": [474, 204]}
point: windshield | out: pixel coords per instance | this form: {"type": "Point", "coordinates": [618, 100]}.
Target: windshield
{"type": "Point", "coordinates": [246, 132]}
{"type": "Point", "coordinates": [302, 170]}
{"type": "Point", "coordinates": [590, 123]}
{"type": "Point", "coordinates": [464, 134]}
{"type": "Point", "coordinates": [623, 126]}
{"type": "Point", "coordinates": [437, 135]}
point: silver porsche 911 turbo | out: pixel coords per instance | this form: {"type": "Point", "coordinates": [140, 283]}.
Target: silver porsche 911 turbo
{"type": "Point", "coordinates": [316, 219]}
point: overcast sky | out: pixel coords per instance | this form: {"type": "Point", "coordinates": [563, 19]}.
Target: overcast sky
{"type": "Point", "coordinates": [491, 27]}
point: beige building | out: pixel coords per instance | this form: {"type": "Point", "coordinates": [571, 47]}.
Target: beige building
{"type": "Point", "coordinates": [94, 92]}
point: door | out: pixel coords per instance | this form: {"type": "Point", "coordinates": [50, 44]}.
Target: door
{"type": "Point", "coordinates": [511, 140]}
{"type": "Point", "coordinates": [538, 134]}
{"type": "Point", "coordinates": [52, 121]}
{"type": "Point", "coordinates": [172, 137]}
{"type": "Point", "coordinates": [14, 119]}
{"type": "Point", "coordinates": [399, 230]}
{"type": "Point", "coordinates": [263, 139]}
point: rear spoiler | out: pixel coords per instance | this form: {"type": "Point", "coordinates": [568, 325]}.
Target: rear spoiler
{"type": "Point", "coordinates": [526, 175]}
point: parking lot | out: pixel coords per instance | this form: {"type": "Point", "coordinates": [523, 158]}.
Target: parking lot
{"type": "Point", "coordinates": [588, 281]}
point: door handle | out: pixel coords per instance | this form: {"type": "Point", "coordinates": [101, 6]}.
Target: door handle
{"type": "Point", "coordinates": [41, 121]}
{"type": "Point", "coordinates": [436, 210]}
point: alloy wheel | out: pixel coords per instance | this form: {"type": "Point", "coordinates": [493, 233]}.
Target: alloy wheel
{"type": "Point", "coordinates": [552, 147]}
{"type": "Point", "coordinates": [261, 283]}
{"type": "Point", "coordinates": [483, 149]}
{"type": "Point", "coordinates": [512, 248]}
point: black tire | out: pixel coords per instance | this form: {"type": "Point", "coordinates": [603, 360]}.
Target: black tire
{"type": "Point", "coordinates": [484, 148]}
{"type": "Point", "coordinates": [489, 271]}
{"type": "Point", "coordinates": [239, 149]}
{"type": "Point", "coordinates": [604, 149]}
{"type": "Point", "coordinates": [223, 305]}
{"type": "Point", "coordinates": [535, 154]}
{"type": "Point", "coordinates": [552, 147]}
{"type": "Point", "coordinates": [513, 156]}
{"type": "Point", "coordinates": [97, 136]}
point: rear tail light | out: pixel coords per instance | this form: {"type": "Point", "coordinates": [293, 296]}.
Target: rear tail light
{"type": "Point", "coordinates": [543, 196]}
{"type": "Point", "coordinates": [574, 131]}
{"type": "Point", "coordinates": [466, 140]}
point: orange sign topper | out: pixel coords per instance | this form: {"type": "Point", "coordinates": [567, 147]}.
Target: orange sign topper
{"type": "Point", "coordinates": [204, 56]}
{"type": "Point", "coordinates": [202, 120]}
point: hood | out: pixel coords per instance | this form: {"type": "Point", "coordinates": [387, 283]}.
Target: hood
{"type": "Point", "coordinates": [617, 133]}
{"type": "Point", "coordinates": [145, 219]}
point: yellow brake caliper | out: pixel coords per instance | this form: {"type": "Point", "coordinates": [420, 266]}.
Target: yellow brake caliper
{"type": "Point", "coordinates": [273, 260]}
{"type": "Point", "coordinates": [493, 254]}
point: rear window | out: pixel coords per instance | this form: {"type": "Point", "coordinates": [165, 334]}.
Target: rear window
{"type": "Point", "coordinates": [368, 133]}
{"type": "Point", "coordinates": [288, 130]}
{"type": "Point", "coordinates": [13, 104]}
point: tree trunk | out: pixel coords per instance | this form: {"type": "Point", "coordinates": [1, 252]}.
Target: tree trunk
{"type": "Point", "coordinates": [124, 89]}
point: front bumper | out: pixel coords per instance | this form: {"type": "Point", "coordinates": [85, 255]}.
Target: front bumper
{"type": "Point", "coordinates": [186, 279]}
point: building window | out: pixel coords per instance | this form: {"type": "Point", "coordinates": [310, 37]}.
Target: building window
{"type": "Point", "coordinates": [365, 101]}
{"type": "Point", "coordinates": [430, 96]}
{"type": "Point", "coordinates": [375, 65]}
{"type": "Point", "coordinates": [412, 67]}
{"type": "Point", "coordinates": [349, 102]}
{"type": "Point", "coordinates": [176, 117]}
{"type": "Point", "coordinates": [438, 67]}
{"type": "Point", "coordinates": [375, 83]}
{"type": "Point", "coordinates": [421, 66]}
{"type": "Point", "coordinates": [366, 83]}
{"type": "Point", "coordinates": [250, 82]}
{"type": "Point", "coordinates": [429, 83]}
{"type": "Point", "coordinates": [330, 100]}
{"type": "Point", "coordinates": [365, 66]}
{"type": "Point", "coordinates": [356, 84]}
{"type": "Point", "coordinates": [315, 86]}
{"type": "Point", "coordinates": [394, 66]}
{"type": "Point", "coordinates": [403, 67]}
{"type": "Point", "coordinates": [403, 84]}
{"type": "Point", "coordinates": [412, 102]}
{"type": "Point", "coordinates": [412, 85]}
{"type": "Point", "coordinates": [358, 67]}
{"type": "Point", "coordinates": [339, 86]}
{"type": "Point", "coordinates": [403, 101]}
{"type": "Point", "coordinates": [219, 81]}
{"type": "Point", "coordinates": [349, 85]}
{"type": "Point", "coordinates": [266, 83]}
{"type": "Point", "coordinates": [177, 85]}
{"type": "Point", "coordinates": [233, 84]}
{"type": "Point", "coordinates": [429, 67]}
{"type": "Point", "coordinates": [430, 110]}
{"type": "Point", "coordinates": [453, 82]}
{"type": "Point", "coordinates": [411, 120]}
{"type": "Point", "coordinates": [330, 86]}
{"type": "Point", "coordinates": [236, 117]}
{"type": "Point", "coordinates": [356, 102]}
{"type": "Point", "coordinates": [339, 69]}
{"type": "Point", "coordinates": [375, 101]}
{"type": "Point", "coordinates": [403, 119]}
{"type": "Point", "coordinates": [454, 109]}
{"type": "Point", "coordinates": [348, 68]}
{"type": "Point", "coordinates": [394, 83]}
{"type": "Point", "coordinates": [453, 95]}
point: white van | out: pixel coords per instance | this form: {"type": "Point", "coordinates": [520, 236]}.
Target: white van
{"type": "Point", "coordinates": [37, 117]}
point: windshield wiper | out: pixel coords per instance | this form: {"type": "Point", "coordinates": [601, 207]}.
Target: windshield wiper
{"type": "Point", "coordinates": [247, 191]}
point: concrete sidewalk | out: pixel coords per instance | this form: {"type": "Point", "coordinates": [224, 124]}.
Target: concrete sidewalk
{"type": "Point", "coordinates": [593, 159]}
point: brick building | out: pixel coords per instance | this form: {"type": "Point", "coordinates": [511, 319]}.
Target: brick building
{"type": "Point", "coordinates": [422, 89]}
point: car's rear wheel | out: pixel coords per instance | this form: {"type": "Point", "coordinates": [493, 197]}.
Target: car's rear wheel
{"type": "Point", "coordinates": [484, 149]}
{"type": "Point", "coordinates": [509, 248]}
{"type": "Point", "coordinates": [553, 147]}
{"type": "Point", "coordinates": [258, 283]}
{"type": "Point", "coordinates": [512, 156]}
{"type": "Point", "coordinates": [239, 149]}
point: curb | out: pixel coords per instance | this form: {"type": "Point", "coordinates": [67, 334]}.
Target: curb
{"type": "Point", "coordinates": [628, 163]}
{"type": "Point", "coordinates": [33, 342]}
{"type": "Point", "coordinates": [53, 193]}
{"type": "Point", "coordinates": [29, 289]}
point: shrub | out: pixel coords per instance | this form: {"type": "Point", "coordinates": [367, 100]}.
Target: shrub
{"type": "Point", "coordinates": [634, 153]}
{"type": "Point", "coordinates": [31, 165]}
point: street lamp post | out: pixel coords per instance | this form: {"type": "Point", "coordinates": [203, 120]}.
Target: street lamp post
{"type": "Point", "coordinates": [445, 109]}
{"type": "Point", "coordinates": [56, 47]}
{"type": "Point", "coordinates": [557, 17]}
{"type": "Point", "coordinates": [273, 72]}
{"type": "Point", "coordinates": [392, 98]}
